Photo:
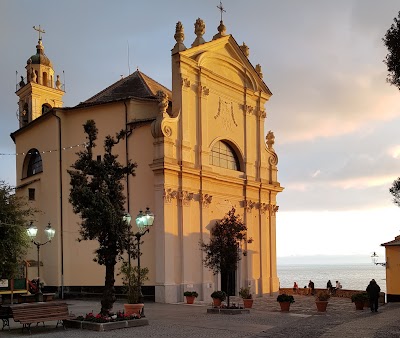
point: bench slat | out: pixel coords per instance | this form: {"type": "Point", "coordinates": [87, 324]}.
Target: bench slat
{"type": "Point", "coordinates": [39, 312]}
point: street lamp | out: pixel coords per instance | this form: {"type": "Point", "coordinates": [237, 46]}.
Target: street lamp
{"type": "Point", "coordinates": [143, 221]}
{"type": "Point", "coordinates": [375, 257]}
{"type": "Point", "coordinates": [32, 232]}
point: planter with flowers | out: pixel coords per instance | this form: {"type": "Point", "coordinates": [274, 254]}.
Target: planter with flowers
{"type": "Point", "coordinates": [285, 301]}
{"type": "Point", "coordinates": [190, 296]}
{"type": "Point", "coordinates": [218, 297]}
{"type": "Point", "coordinates": [101, 322]}
{"type": "Point", "coordinates": [321, 301]}
{"type": "Point", "coordinates": [132, 281]}
{"type": "Point", "coordinates": [247, 297]}
{"type": "Point", "coordinates": [359, 300]}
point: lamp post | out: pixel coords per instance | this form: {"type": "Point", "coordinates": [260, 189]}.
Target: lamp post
{"type": "Point", "coordinates": [32, 232]}
{"type": "Point", "coordinates": [374, 258]}
{"type": "Point", "coordinates": [143, 221]}
{"type": "Point", "coordinates": [127, 219]}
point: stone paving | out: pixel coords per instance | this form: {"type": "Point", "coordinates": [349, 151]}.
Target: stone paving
{"type": "Point", "coordinates": [264, 320]}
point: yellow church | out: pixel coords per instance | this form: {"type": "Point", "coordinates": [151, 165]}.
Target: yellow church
{"type": "Point", "coordinates": [200, 149]}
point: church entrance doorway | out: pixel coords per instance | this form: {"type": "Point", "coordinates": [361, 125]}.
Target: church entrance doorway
{"type": "Point", "coordinates": [228, 278]}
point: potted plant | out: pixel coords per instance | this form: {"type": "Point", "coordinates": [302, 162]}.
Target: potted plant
{"type": "Point", "coordinates": [359, 300]}
{"type": "Point", "coordinates": [285, 301]}
{"type": "Point", "coordinates": [245, 293]}
{"type": "Point", "coordinates": [321, 300]}
{"type": "Point", "coordinates": [133, 281]}
{"type": "Point", "coordinates": [190, 296]}
{"type": "Point", "coordinates": [218, 297]}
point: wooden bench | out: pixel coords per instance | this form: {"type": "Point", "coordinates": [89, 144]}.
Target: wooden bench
{"type": "Point", "coordinates": [28, 313]}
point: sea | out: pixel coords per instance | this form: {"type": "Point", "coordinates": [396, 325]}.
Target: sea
{"type": "Point", "coordinates": [351, 276]}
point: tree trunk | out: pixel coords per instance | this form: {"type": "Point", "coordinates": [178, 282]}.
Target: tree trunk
{"type": "Point", "coordinates": [228, 291]}
{"type": "Point", "coordinates": [109, 298]}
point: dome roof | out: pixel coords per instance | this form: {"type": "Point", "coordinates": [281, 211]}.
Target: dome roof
{"type": "Point", "coordinates": [40, 58]}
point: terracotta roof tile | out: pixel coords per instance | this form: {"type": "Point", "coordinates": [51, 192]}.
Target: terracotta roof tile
{"type": "Point", "coordinates": [136, 85]}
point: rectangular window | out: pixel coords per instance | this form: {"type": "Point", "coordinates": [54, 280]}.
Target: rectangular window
{"type": "Point", "coordinates": [98, 158]}
{"type": "Point", "coordinates": [31, 194]}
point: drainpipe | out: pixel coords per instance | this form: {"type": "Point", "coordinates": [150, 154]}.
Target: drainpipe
{"type": "Point", "coordinates": [127, 157]}
{"type": "Point", "coordinates": [61, 201]}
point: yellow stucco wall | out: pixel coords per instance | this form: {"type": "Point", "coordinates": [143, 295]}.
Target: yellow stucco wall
{"type": "Point", "coordinates": [393, 270]}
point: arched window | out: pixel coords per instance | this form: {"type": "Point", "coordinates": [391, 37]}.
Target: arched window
{"type": "Point", "coordinates": [222, 155]}
{"type": "Point", "coordinates": [44, 79]}
{"type": "Point", "coordinates": [32, 163]}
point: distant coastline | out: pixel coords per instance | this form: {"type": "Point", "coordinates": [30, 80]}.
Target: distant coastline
{"type": "Point", "coordinates": [325, 259]}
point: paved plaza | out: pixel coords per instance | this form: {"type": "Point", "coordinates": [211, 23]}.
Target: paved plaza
{"type": "Point", "coordinates": [264, 320]}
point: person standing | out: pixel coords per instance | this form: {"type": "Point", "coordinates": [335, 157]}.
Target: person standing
{"type": "Point", "coordinates": [310, 287]}
{"type": "Point", "coordinates": [329, 286]}
{"type": "Point", "coordinates": [373, 290]}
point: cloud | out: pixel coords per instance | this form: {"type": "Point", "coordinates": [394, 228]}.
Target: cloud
{"type": "Point", "coordinates": [394, 151]}
{"type": "Point", "coordinates": [316, 173]}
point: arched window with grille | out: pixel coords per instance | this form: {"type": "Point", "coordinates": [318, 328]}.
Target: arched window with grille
{"type": "Point", "coordinates": [32, 163]}
{"type": "Point", "coordinates": [223, 155]}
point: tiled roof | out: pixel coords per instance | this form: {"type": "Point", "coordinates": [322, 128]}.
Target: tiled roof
{"type": "Point", "coordinates": [137, 85]}
{"type": "Point", "coordinates": [395, 242]}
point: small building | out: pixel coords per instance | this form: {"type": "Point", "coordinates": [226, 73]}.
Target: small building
{"type": "Point", "coordinates": [200, 149]}
{"type": "Point", "coordinates": [392, 249]}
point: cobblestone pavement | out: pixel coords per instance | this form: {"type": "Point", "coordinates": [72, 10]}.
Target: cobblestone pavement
{"type": "Point", "coordinates": [264, 320]}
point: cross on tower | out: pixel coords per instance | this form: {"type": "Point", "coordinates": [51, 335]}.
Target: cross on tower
{"type": "Point", "coordinates": [220, 7]}
{"type": "Point", "coordinates": [39, 30]}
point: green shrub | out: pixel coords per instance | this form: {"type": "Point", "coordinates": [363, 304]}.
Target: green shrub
{"type": "Point", "coordinates": [323, 296]}
{"type": "Point", "coordinates": [191, 294]}
{"type": "Point", "coordinates": [359, 297]}
{"type": "Point", "coordinates": [245, 293]}
{"type": "Point", "coordinates": [219, 295]}
{"type": "Point", "coordinates": [285, 298]}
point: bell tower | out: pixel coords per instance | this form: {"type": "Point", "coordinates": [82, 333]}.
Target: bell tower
{"type": "Point", "coordinates": [39, 91]}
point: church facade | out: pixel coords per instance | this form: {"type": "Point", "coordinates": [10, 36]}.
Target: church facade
{"type": "Point", "coordinates": [200, 149]}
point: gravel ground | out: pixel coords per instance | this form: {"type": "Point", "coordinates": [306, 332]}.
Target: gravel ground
{"type": "Point", "coordinates": [264, 320]}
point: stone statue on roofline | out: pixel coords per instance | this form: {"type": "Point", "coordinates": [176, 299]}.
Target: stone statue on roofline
{"type": "Point", "coordinates": [270, 140]}
{"type": "Point", "coordinates": [162, 101]}
{"type": "Point", "coordinates": [179, 37]}
{"type": "Point", "coordinates": [199, 30]}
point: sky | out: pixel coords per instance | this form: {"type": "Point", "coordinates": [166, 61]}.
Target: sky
{"type": "Point", "coordinates": [334, 116]}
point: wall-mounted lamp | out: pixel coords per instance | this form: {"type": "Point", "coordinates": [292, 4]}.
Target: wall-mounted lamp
{"type": "Point", "coordinates": [375, 257]}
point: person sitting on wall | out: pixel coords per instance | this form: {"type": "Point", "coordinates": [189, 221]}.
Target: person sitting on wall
{"type": "Point", "coordinates": [295, 287]}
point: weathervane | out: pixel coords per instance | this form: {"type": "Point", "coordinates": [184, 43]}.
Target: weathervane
{"type": "Point", "coordinates": [41, 31]}
{"type": "Point", "coordinates": [220, 7]}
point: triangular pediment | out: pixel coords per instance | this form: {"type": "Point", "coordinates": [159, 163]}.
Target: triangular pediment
{"type": "Point", "coordinates": [224, 56]}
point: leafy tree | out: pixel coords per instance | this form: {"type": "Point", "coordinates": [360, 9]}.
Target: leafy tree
{"type": "Point", "coordinates": [395, 191]}
{"type": "Point", "coordinates": [97, 196]}
{"type": "Point", "coordinates": [15, 213]}
{"type": "Point", "coordinates": [222, 252]}
{"type": "Point", "coordinates": [392, 60]}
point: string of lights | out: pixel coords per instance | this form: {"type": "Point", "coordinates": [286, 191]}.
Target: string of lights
{"type": "Point", "coordinates": [43, 152]}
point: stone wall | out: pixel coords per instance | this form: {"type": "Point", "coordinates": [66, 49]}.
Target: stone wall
{"type": "Point", "coordinates": [343, 293]}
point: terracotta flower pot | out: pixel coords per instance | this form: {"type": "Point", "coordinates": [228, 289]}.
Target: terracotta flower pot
{"type": "Point", "coordinates": [248, 303]}
{"type": "Point", "coordinates": [130, 309]}
{"type": "Point", "coordinates": [321, 305]}
{"type": "Point", "coordinates": [359, 305]}
{"type": "Point", "coordinates": [190, 299]}
{"type": "Point", "coordinates": [285, 306]}
{"type": "Point", "coordinates": [217, 302]}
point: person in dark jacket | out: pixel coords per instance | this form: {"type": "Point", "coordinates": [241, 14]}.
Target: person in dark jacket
{"type": "Point", "coordinates": [310, 288]}
{"type": "Point", "coordinates": [373, 290]}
